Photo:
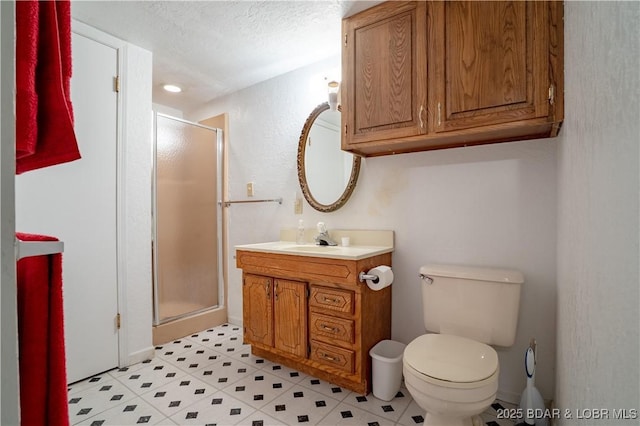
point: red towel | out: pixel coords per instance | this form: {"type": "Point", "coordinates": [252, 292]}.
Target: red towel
{"type": "Point", "coordinates": [43, 378]}
{"type": "Point", "coordinates": [44, 116]}
{"type": "Point", "coordinates": [27, 17]}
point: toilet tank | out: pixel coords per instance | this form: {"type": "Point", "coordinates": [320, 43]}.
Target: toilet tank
{"type": "Point", "coordinates": [478, 303]}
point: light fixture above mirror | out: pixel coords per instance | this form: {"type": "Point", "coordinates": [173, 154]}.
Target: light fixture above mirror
{"type": "Point", "coordinates": [333, 89]}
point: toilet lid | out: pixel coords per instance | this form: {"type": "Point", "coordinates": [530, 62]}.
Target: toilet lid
{"type": "Point", "coordinates": [451, 358]}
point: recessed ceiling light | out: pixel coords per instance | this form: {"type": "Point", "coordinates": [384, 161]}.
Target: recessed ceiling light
{"type": "Point", "coordinates": [172, 88]}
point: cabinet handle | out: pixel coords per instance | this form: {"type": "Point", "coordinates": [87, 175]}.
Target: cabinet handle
{"type": "Point", "coordinates": [328, 357]}
{"type": "Point", "coordinates": [420, 114]}
{"type": "Point", "coordinates": [439, 114]}
{"type": "Point", "coordinates": [329, 299]}
{"type": "Point", "coordinates": [328, 328]}
{"type": "Point", "coordinates": [268, 287]}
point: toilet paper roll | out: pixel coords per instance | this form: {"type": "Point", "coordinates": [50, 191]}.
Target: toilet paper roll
{"type": "Point", "coordinates": [385, 277]}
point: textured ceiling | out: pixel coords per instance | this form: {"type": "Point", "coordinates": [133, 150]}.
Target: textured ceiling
{"type": "Point", "coordinates": [212, 48]}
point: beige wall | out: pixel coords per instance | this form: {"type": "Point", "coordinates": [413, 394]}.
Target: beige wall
{"type": "Point", "coordinates": [598, 188]}
{"type": "Point", "coordinates": [492, 205]}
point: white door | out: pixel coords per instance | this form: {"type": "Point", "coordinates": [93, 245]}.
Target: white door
{"type": "Point", "coordinates": [76, 202]}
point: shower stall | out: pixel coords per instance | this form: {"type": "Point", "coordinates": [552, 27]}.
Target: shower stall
{"type": "Point", "coordinates": [187, 221]}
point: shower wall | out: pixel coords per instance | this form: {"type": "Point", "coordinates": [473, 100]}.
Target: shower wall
{"type": "Point", "coordinates": [187, 237]}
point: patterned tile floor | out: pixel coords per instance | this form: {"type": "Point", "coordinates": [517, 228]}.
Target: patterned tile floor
{"type": "Point", "coordinates": [211, 378]}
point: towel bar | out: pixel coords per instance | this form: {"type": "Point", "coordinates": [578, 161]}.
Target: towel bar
{"type": "Point", "coordinates": [37, 248]}
{"type": "Point", "coordinates": [228, 203]}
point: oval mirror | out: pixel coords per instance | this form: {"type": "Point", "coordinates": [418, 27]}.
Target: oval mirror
{"type": "Point", "coordinates": [327, 174]}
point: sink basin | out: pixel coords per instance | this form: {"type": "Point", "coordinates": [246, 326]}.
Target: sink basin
{"type": "Point", "coordinates": [312, 249]}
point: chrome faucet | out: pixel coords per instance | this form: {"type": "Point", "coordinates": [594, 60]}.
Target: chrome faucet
{"type": "Point", "coordinates": [323, 238]}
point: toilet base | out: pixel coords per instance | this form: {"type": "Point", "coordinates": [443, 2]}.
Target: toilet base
{"type": "Point", "coordinates": [450, 406]}
{"type": "Point", "coordinates": [436, 420]}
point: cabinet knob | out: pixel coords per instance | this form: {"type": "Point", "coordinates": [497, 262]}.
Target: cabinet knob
{"type": "Point", "coordinates": [329, 328]}
{"type": "Point", "coordinates": [328, 357]}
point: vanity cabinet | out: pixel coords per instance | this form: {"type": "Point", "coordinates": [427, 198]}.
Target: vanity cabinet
{"type": "Point", "coordinates": [430, 75]}
{"type": "Point", "coordinates": [313, 314]}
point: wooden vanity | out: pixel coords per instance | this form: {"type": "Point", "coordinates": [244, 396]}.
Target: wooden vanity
{"type": "Point", "coordinates": [309, 311]}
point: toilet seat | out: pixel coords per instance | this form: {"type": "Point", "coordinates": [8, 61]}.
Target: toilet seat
{"type": "Point", "coordinates": [451, 361]}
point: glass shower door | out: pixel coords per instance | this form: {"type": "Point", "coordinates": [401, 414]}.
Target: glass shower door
{"type": "Point", "coordinates": [187, 244]}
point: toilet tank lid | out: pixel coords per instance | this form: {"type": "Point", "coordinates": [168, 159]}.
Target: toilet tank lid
{"type": "Point", "coordinates": [473, 273]}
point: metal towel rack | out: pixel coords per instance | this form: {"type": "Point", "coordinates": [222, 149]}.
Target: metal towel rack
{"type": "Point", "coordinates": [37, 248]}
{"type": "Point", "coordinates": [229, 202]}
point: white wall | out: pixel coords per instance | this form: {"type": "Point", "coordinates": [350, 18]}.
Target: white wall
{"type": "Point", "coordinates": [163, 109]}
{"type": "Point", "coordinates": [598, 195]}
{"type": "Point", "coordinates": [492, 205]}
{"type": "Point", "coordinates": [135, 177]}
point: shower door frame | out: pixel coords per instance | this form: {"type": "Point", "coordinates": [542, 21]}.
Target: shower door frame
{"type": "Point", "coordinates": [219, 222]}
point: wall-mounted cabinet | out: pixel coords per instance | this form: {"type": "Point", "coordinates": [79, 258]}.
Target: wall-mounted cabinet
{"type": "Point", "coordinates": [430, 75]}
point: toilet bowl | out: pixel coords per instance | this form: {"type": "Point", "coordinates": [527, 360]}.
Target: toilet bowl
{"type": "Point", "coordinates": [453, 378]}
{"type": "Point", "coordinates": [452, 373]}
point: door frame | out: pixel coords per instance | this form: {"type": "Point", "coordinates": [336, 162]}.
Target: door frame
{"type": "Point", "coordinates": [221, 301]}
{"type": "Point", "coordinates": [195, 322]}
{"type": "Point", "coordinates": [221, 122]}
{"type": "Point", "coordinates": [9, 388]}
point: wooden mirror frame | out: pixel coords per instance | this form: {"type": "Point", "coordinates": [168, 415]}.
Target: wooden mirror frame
{"type": "Point", "coordinates": [302, 177]}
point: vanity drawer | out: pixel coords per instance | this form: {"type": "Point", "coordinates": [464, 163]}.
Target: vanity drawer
{"type": "Point", "coordinates": [332, 299]}
{"type": "Point", "coordinates": [339, 358]}
{"type": "Point", "coordinates": [325, 328]}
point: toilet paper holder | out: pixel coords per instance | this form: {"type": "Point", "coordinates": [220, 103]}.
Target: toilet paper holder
{"type": "Point", "coordinates": [363, 277]}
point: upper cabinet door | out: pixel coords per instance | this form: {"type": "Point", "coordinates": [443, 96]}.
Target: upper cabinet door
{"type": "Point", "coordinates": [488, 63]}
{"type": "Point", "coordinates": [384, 68]}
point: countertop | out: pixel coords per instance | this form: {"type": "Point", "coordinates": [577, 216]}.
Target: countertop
{"type": "Point", "coordinates": [352, 252]}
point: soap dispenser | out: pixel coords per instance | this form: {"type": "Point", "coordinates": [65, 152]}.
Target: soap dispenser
{"type": "Point", "coordinates": [300, 232]}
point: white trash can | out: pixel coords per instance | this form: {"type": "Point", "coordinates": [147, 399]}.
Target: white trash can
{"type": "Point", "coordinates": [387, 368]}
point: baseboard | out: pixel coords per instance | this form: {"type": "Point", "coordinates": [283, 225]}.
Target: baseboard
{"type": "Point", "coordinates": [514, 398]}
{"type": "Point", "coordinates": [510, 397]}
{"type": "Point", "coordinates": [235, 321]}
{"type": "Point", "coordinates": [179, 328]}
{"type": "Point", "coordinates": [139, 356]}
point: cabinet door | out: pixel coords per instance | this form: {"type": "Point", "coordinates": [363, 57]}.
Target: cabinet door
{"type": "Point", "coordinates": [290, 322]}
{"type": "Point", "coordinates": [257, 310]}
{"type": "Point", "coordinates": [383, 81]}
{"type": "Point", "coordinates": [488, 62]}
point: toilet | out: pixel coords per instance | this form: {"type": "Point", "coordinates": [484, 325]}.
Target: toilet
{"type": "Point", "coordinates": [453, 373]}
